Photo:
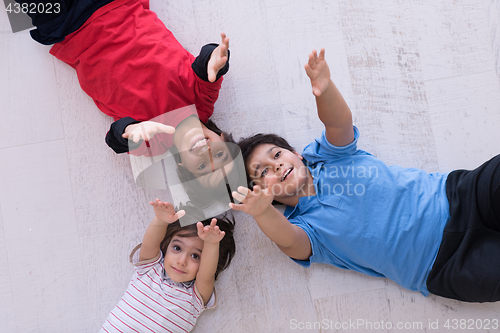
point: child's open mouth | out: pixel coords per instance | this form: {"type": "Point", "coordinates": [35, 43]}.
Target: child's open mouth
{"type": "Point", "coordinates": [287, 172]}
{"type": "Point", "coordinates": [198, 144]}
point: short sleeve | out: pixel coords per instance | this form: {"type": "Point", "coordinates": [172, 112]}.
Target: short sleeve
{"type": "Point", "coordinates": [321, 149]}
{"type": "Point", "coordinates": [320, 254]}
{"type": "Point", "coordinates": [144, 266]}
{"type": "Point", "coordinates": [212, 301]}
{"type": "Point", "coordinates": [312, 240]}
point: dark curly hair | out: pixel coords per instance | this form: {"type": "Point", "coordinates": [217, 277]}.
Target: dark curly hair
{"type": "Point", "coordinates": [227, 246]}
{"type": "Point", "coordinates": [248, 145]}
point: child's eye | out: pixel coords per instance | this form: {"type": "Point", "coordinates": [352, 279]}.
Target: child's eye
{"type": "Point", "coordinates": [264, 172]}
{"type": "Point", "coordinates": [195, 256]}
{"type": "Point", "coordinates": [277, 155]}
{"type": "Point", "coordinates": [176, 248]}
{"type": "Point", "coordinates": [202, 166]}
{"type": "Point", "coordinates": [219, 154]}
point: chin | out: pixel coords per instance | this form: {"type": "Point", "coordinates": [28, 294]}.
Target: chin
{"type": "Point", "coordinates": [177, 279]}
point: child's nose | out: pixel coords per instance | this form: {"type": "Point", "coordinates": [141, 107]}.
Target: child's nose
{"type": "Point", "coordinates": [278, 166]}
{"type": "Point", "coordinates": [181, 260]}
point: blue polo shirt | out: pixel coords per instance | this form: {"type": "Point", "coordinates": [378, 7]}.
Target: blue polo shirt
{"type": "Point", "coordinates": [383, 221]}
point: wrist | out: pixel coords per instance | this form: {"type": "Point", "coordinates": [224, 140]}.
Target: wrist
{"type": "Point", "coordinates": [269, 210]}
{"type": "Point", "coordinates": [159, 223]}
{"type": "Point", "coordinates": [210, 244]}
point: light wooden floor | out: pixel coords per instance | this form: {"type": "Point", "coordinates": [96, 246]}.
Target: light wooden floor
{"type": "Point", "coordinates": [422, 78]}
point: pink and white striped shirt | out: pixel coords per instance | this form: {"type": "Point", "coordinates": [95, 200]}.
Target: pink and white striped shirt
{"type": "Point", "coordinates": [154, 303]}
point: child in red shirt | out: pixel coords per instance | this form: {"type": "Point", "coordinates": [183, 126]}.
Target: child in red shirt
{"type": "Point", "coordinates": [132, 66]}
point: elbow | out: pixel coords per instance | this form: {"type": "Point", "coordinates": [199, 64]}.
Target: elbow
{"type": "Point", "coordinates": [296, 253]}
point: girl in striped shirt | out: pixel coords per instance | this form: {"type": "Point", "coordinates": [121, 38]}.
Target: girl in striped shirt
{"type": "Point", "coordinates": [174, 274]}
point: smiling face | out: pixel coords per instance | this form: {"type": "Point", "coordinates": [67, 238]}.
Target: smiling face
{"type": "Point", "coordinates": [201, 150]}
{"type": "Point", "coordinates": [182, 258]}
{"type": "Point", "coordinates": [280, 169]}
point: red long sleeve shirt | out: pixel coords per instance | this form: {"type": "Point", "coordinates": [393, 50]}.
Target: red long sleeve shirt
{"type": "Point", "coordinates": [132, 65]}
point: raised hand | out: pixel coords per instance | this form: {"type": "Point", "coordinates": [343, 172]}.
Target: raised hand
{"type": "Point", "coordinates": [254, 202]}
{"type": "Point", "coordinates": [218, 58]}
{"type": "Point", "coordinates": [165, 211]}
{"type": "Point", "coordinates": [146, 130]}
{"type": "Point", "coordinates": [318, 71]}
{"type": "Point", "coordinates": [210, 233]}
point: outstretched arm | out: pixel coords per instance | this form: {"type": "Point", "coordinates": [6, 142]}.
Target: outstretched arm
{"type": "Point", "coordinates": [205, 278]}
{"type": "Point", "coordinates": [209, 67]}
{"type": "Point", "coordinates": [218, 58]}
{"type": "Point", "coordinates": [212, 62]}
{"type": "Point", "coordinates": [289, 238]}
{"type": "Point", "coordinates": [164, 215]}
{"type": "Point", "coordinates": [114, 138]}
{"type": "Point", "coordinates": [145, 130]}
{"type": "Point", "coordinates": [332, 108]}
{"type": "Point", "coordinates": [127, 128]}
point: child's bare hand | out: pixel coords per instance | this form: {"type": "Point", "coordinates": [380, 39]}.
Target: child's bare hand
{"type": "Point", "coordinates": [165, 211]}
{"type": "Point", "coordinates": [146, 130]}
{"type": "Point", "coordinates": [254, 202]}
{"type": "Point", "coordinates": [318, 71]}
{"type": "Point", "coordinates": [218, 58]}
{"type": "Point", "coordinates": [210, 233]}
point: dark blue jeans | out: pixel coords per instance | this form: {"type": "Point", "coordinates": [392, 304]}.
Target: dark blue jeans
{"type": "Point", "coordinates": [467, 266]}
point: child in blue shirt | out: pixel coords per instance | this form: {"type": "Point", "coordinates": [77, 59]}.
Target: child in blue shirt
{"type": "Point", "coordinates": [436, 233]}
